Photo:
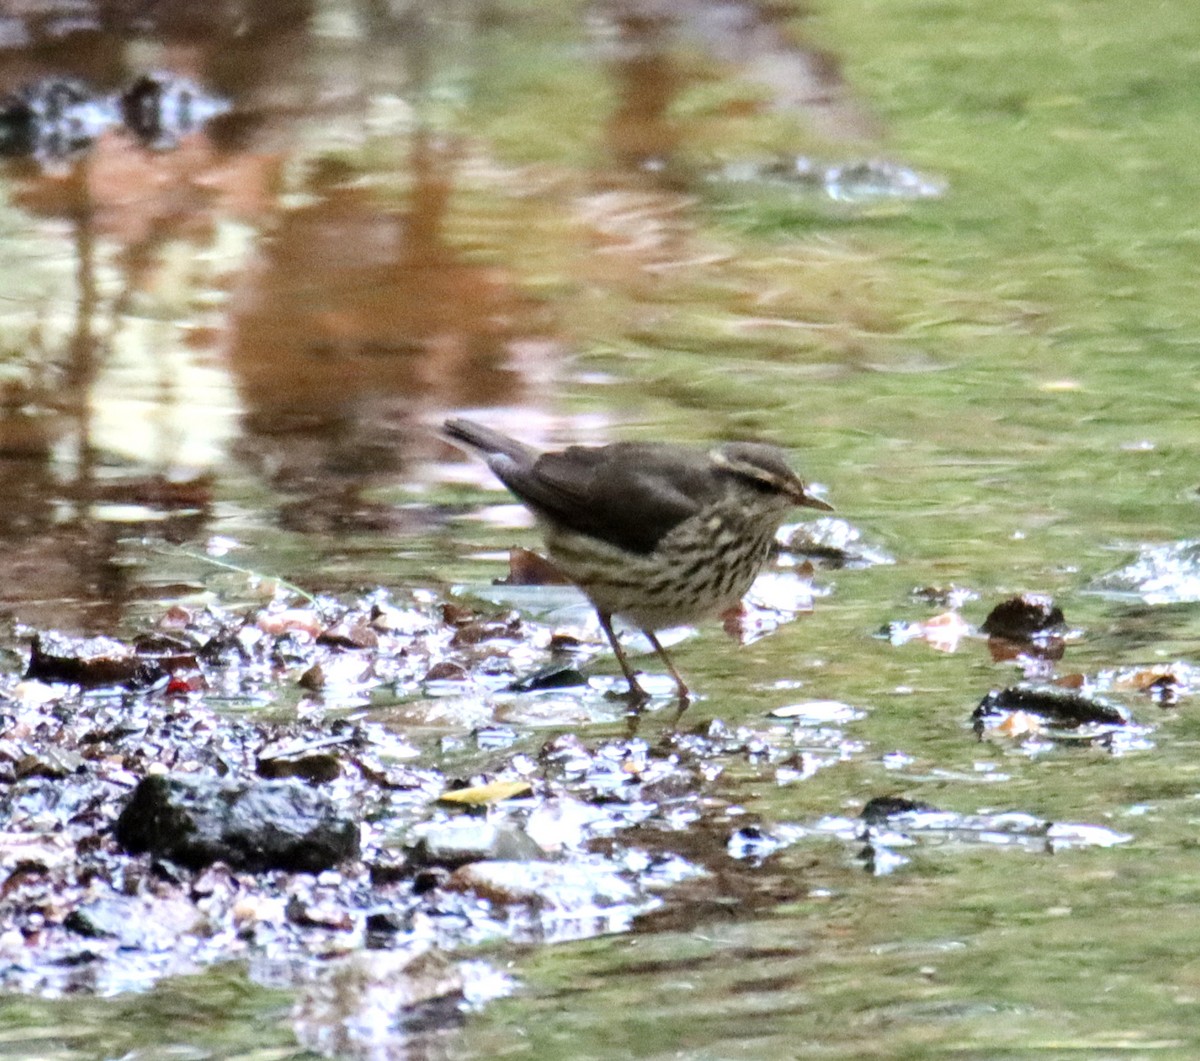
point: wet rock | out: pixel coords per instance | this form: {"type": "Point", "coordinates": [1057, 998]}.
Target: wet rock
{"type": "Point", "coordinates": [89, 663]}
{"type": "Point", "coordinates": [456, 614]}
{"type": "Point", "coordinates": [459, 841]}
{"type": "Point", "coordinates": [445, 671]}
{"type": "Point", "coordinates": [161, 108]}
{"type": "Point", "coordinates": [53, 119]}
{"type": "Point", "coordinates": [566, 747]}
{"type": "Point", "coordinates": [349, 633]}
{"type": "Point", "coordinates": [1025, 617]}
{"type": "Point", "coordinates": [304, 621]}
{"type": "Point", "coordinates": [316, 914]}
{"type": "Point", "coordinates": [1161, 574]}
{"type": "Point", "coordinates": [859, 182]}
{"type": "Point", "coordinates": [878, 810]}
{"type": "Point", "coordinates": [944, 596]}
{"type": "Point", "coordinates": [53, 762]}
{"type": "Point", "coordinates": [391, 775]}
{"type": "Point", "coordinates": [570, 887]}
{"type": "Point", "coordinates": [556, 676]}
{"type": "Point", "coordinates": [311, 761]}
{"type": "Point", "coordinates": [477, 632]}
{"type": "Point", "coordinates": [493, 738]}
{"type": "Point", "coordinates": [831, 542]}
{"type": "Point", "coordinates": [1060, 707]}
{"type": "Point", "coordinates": [339, 676]}
{"type": "Point", "coordinates": [135, 923]}
{"type": "Point", "coordinates": [255, 826]}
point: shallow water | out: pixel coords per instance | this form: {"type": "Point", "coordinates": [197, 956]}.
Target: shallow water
{"type": "Point", "coordinates": [529, 212]}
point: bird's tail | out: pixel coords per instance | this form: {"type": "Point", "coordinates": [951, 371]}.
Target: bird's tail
{"type": "Point", "coordinates": [487, 441]}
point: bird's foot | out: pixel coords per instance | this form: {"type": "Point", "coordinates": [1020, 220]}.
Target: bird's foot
{"type": "Point", "coordinates": [633, 695]}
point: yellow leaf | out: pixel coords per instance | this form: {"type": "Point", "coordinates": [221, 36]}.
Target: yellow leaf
{"type": "Point", "coordinates": [481, 795]}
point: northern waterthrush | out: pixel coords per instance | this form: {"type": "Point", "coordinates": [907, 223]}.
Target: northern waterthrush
{"type": "Point", "coordinates": [655, 533]}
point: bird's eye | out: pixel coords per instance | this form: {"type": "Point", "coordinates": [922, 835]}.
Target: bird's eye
{"type": "Point", "coordinates": [763, 486]}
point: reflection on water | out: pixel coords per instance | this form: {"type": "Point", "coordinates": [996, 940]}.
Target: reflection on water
{"type": "Point", "coordinates": [270, 258]}
{"type": "Point", "coordinates": [357, 320]}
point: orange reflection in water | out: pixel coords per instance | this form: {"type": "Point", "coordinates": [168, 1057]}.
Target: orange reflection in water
{"type": "Point", "coordinates": [357, 318]}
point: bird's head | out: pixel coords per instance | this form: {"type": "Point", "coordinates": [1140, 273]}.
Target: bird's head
{"type": "Point", "coordinates": [763, 470]}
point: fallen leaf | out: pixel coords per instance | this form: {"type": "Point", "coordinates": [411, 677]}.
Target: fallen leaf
{"type": "Point", "coordinates": [482, 795]}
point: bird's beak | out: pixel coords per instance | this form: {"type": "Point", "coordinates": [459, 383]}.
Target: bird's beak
{"type": "Point", "coordinates": [807, 500]}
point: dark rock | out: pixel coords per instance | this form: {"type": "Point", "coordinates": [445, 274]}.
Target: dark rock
{"type": "Point", "coordinates": [555, 676]}
{"type": "Point", "coordinates": [429, 879]}
{"type": "Point", "coordinates": [161, 108]}
{"type": "Point", "coordinates": [89, 663]}
{"type": "Point", "coordinates": [482, 630]}
{"type": "Point", "coordinates": [348, 633]}
{"type": "Point", "coordinates": [878, 810]}
{"type": "Point", "coordinates": [312, 761]}
{"type": "Point", "coordinates": [1061, 707]}
{"type": "Point", "coordinates": [54, 119]}
{"type": "Point", "coordinates": [445, 671]}
{"type": "Point", "coordinates": [384, 923]}
{"type": "Point", "coordinates": [198, 820]}
{"type": "Point", "coordinates": [315, 767]}
{"type": "Point", "coordinates": [1024, 617]}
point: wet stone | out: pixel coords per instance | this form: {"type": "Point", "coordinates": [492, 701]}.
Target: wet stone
{"type": "Point", "coordinates": [89, 663]}
{"type": "Point", "coordinates": [831, 542]}
{"type": "Point", "coordinates": [349, 633]}
{"type": "Point", "coordinates": [1061, 707]}
{"type": "Point", "coordinates": [493, 738]}
{"type": "Point", "coordinates": [445, 671]}
{"type": "Point", "coordinates": [49, 762]}
{"type": "Point", "coordinates": [315, 766]}
{"type": "Point", "coordinates": [544, 886]}
{"type": "Point", "coordinates": [565, 748]}
{"type": "Point", "coordinates": [255, 826]}
{"type": "Point", "coordinates": [477, 632]}
{"type": "Point", "coordinates": [135, 924]}
{"type": "Point", "coordinates": [1161, 574]}
{"type": "Point", "coordinates": [459, 841]}
{"type": "Point", "coordinates": [161, 108]}
{"type": "Point", "coordinates": [555, 676]}
{"type": "Point", "coordinates": [878, 810]}
{"type": "Point", "coordinates": [1025, 617]}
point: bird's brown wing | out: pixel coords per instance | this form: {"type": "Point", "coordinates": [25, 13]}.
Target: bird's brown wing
{"type": "Point", "coordinates": [627, 494]}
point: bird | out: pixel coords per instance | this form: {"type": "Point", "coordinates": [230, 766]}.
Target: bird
{"type": "Point", "coordinates": [655, 533]}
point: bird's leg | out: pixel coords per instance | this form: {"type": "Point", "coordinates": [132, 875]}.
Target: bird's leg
{"type": "Point", "coordinates": [637, 694]}
{"type": "Point", "coordinates": [685, 695]}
